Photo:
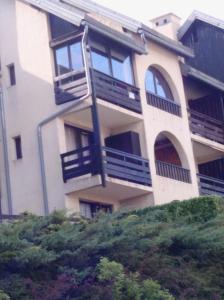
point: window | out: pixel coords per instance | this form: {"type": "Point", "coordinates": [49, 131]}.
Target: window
{"type": "Point", "coordinates": [90, 209]}
{"type": "Point", "coordinates": [111, 60]}
{"type": "Point", "coordinates": [60, 27]}
{"type": "Point", "coordinates": [18, 147]}
{"type": "Point", "coordinates": [69, 58]}
{"type": "Point", "coordinates": [77, 138]}
{"type": "Point", "coordinates": [12, 74]}
{"type": "Point", "coordinates": [156, 84]}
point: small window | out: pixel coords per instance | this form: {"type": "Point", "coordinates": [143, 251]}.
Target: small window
{"type": "Point", "coordinates": [90, 209]}
{"type": "Point", "coordinates": [156, 84]}
{"type": "Point", "coordinates": [18, 147]}
{"type": "Point", "coordinates": [12, 74]}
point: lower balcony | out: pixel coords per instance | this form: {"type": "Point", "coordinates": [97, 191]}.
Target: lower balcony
{"type": "Point", "coordinates": [210, 185]}
{"type": "Point", "coordinates": [206, 126]}
{"type": "Point", "coordinates": [172, 171]}
{"type": "Point", "coordinates": [126, 175]}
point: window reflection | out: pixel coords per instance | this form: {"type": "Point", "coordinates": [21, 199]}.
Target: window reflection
{"type": "Point", "coordinates": [62, 60]}
{"type": "Point", "coordinates": [156, 84]}
{"type": "Point", "coordinates": [69, 58]}
{"type": "Point", "coordinates": [100, 62]}
{"type": "Point", "coordinates": [112, 61]}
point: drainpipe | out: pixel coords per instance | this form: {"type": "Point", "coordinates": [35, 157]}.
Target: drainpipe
{"type": "Point", "coordinates": [5, 153]}
{"type": "Point", "coordinates": [143, 37]}
{"type": "Point", "coordinates": [56, 115]}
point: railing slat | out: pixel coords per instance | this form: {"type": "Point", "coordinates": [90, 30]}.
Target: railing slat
{"type": "Point", "coordinates": [163, 104]}
{"type": "Point", "coordinates": [116, 91]}
{"type": "Point", "coordinates": [210, 185]}
{"type": "Point", "coordinates": [172, 171]}
{"type": "Point", "coordinates": [206, 126]}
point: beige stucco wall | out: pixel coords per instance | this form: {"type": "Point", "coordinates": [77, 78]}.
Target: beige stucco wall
{"type": "Point", "coordinates": [25, 42]}
{"type": "Point", "coordinates": [157, 121]}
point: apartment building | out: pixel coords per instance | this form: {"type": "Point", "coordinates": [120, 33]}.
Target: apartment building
{"type": "Point", "coordinates": [100, 111]}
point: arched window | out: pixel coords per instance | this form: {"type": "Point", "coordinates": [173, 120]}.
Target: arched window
{"type": "Point", "coordinates": [156, 84]}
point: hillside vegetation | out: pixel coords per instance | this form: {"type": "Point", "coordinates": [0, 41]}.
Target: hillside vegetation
{"type": "Point", "coordinates": [175, 251]}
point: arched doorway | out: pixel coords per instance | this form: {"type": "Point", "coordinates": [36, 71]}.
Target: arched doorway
{"type": "Point", "coordinates": [170, 158]}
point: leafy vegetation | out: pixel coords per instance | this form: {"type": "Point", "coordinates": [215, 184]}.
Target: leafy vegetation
{"type": "Point", "coordinates": [174, 251]}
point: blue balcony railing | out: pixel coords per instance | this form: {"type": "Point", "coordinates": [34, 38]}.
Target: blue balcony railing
{"type": "Point", "coordinates": [114, 163]}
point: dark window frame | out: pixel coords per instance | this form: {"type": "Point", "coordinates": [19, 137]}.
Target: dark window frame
{"type": "Point", "coordinates": [166, 88]}
{"type": "Point", "coordinates": [109, 47]}
{"type": "Point", "coordinates": [108, 207]}
{"type": "Point", "coordinates": [12, 74]}
{"type": "Point", "coordinates": [68, 45]}
{"type": "Point", "coordinates": [80, 131]}
{"type": "Point", "coordinates": [18, 147]}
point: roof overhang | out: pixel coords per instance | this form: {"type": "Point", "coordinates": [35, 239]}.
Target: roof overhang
{"type": "Point", "coordinates": [166, 42]}
{"type": "Point", "coordinates": [196, 15]}
{"type": "Point", "coordinates": [188, 71]}
{"type": "Point", "coordinates": [59, 9]}
{"type": "Point", "coordinates": [115, 35]}
{"type": "Point", "coordinates": [92, 7]}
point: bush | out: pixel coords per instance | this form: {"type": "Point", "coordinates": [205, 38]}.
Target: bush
{"type": "Point", "coordinates": [177, 247]}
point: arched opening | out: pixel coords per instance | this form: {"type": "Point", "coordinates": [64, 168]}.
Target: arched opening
{"type": "Point", "coordinates": [157, 84]}
{"type": "Point", "coordinates": [160, 90]}
{"type": "Point", "coordinates": [165, 151]}
{"type": "Point", "coordinates": [170, 158]}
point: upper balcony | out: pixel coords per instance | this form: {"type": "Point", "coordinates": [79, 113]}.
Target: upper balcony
{"type": "Point", "coordinates": [116, 91]}
{"type": "Point", "coordinates": [110, 69]}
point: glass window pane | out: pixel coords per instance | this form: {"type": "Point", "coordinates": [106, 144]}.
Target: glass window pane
{"type": "Point", "coordinates": [76, 56]}
{"type": "Point", "coordinates": [62, 60]}
{"type": "Point", "coordinates": [150, 86]}
{"type": "Point", "coordinates": [100, 62]}
{"type": "Point", "coordinates": [162, 86]}
{"type": "Point", "coordinates": [122, 70]}
{"type": "Point", "coordinates": [85, 210]}
{"type": "Point", "coordinates": [121, 65]}
{"type": "Point", "coordinates": [159, 87]}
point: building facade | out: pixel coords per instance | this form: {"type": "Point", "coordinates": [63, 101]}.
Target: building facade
{"type": "Point", "coordinates": [99, 111]}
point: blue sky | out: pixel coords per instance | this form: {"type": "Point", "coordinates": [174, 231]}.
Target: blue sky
{"type": "Point", "coordinates": [144, 10]}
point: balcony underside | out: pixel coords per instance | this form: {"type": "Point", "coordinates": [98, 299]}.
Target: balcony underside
{"type": "Point", "coordinates": [115, 189]}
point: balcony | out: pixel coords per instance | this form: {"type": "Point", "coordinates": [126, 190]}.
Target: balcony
{"type": "Point", "coordinates": [116, 92]}
{"type": "Point", "coordinates": [206, 126]}
{"type": "Point", "coordinates": [116, 164]}
{"type": "Point", "coordinates": [210, 185]}
{"type": "Point", "coordinates": [173, 171]}
{"type": "Point", "coordinates": [163, 104]}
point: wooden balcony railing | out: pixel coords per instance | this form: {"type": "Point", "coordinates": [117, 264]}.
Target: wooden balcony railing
{"type": "Point", "coordinates": [117, 164]}
{"type": "Point", "coordinates": [80, 162]}
{"type": "Point", "coordinates": [210, 186]}
{"type": "Point", "coordinates": [129, 167]}
{"type": "Point", "coordinates": [172, 171]}
{"type": "Point", "coordinates": [206, 126]}
{"type": "Point", "coordinates": [163, 104]}
{"type": "Point", "coordinates": [70, 86]}
{"type": "Point", "coordinates": [116, 91]}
